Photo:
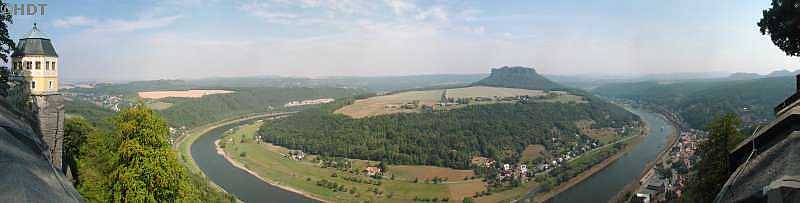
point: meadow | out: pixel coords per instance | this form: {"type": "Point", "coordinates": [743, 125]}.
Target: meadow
{"type": "Point", "coordinates": [400, 183]}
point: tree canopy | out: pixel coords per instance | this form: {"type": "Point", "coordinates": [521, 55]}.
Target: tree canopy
{"type": "Point", "coordinates": [782, 23]}
{"type": "Point", "coordinates": [711, 170]}
{"type": "Point", "coordinates": [132, 163]}
{"type": "Point", "coordinates": [145, 168]}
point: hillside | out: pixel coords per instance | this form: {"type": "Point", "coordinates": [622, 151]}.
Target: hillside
{"type": "Point", "coordinates": [695, 101]}
{"type": "Point", "coordinates": [450, 135]}
{"type": "Point", "coordinates": [518, 77]}
{"type": "Point", "coordinates": [193, 112]}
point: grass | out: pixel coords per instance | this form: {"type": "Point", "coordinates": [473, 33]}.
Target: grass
{"type": "Point", "coordinates": [268, 162]}
{"type": "Point", "coordinates": [409, 172]}
{"type": "Point", "coordinates": [377, 105]}
{"type": "Point", "coordinates": [159, 105]}
{"type": "Point", "coordinates": [535, 151]}
{"type": "Point", "coordinates": [603, 135]}
{"type": "Point", "coordinates": [485, 91]}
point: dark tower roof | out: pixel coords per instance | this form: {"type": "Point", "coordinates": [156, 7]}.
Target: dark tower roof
{"type": "Point", "coordinates": [34, 43]}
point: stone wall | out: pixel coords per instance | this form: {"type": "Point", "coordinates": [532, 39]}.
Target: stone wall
{"type": "Point", "coordinates": [49, 112]}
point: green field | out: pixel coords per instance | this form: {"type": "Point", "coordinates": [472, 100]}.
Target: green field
{"type": "Point", "coordinates": [159, 105]}
{"type": "Point", "coordinates": [269, 162]}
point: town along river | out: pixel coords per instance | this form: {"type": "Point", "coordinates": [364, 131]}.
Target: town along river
{"type": "Point", "coordinates": [244, 186]}
{"type": "Point", "coordinates": [606, 183]}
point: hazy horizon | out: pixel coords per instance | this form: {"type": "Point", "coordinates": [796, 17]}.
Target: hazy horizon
{"type": "Point", "coordinates": [189, 39]}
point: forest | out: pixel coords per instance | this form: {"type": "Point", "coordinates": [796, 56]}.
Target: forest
{"type": "Point", "coordinates": [698, 102]}
{"type": "Point", "coordinates": [441, 138]}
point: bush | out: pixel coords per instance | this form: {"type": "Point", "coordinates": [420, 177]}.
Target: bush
{"type": "Point", "coordinates": [468, 200]}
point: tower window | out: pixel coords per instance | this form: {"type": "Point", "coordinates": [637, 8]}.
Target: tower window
{"type": "Point", "coordinates": [38, 65]}
{"type": "Point", "coordinates": [54, 65]}
{"type": "Point", "coordinates": [28, 65]}
{"type": "Point", "coordinates": [33, 84]}
{"type": "Point", "coordinates": [47, 65]}
{"type": "Point", "coordinates": [50, 84]}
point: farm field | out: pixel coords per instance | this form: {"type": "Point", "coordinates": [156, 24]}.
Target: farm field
{"type": "Point", "coordinates": [603, 135]}
{"type": "Point", "coordinates": [486, 91]}
{"type": "Point", "coordinates": [269, 162]}
{"type": "Point", "coordinates": [532, 152]}
{"type": "Point", "coordinates": [180, 94]}
{"type": "Point", "coordinates": [378, 105]}
{"type": "Point", "coordinates": [393, 103]}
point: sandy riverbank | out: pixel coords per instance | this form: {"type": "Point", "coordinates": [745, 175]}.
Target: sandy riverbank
{"type": "Point", "coordinates": [235, 163]}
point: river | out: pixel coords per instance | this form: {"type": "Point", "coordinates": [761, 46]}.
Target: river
{"type": "Point", "coordinates": [234, 180]}
{"type": "Point", "coordinates": [606, 183]}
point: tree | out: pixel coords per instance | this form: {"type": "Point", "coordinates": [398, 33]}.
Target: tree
{"type": "Point", "coordinates": [145, 168]}
{"type": "Point", "coordinates": [6, 44]}
{"type": "Point", "coordinates": [712, 168]}
{"type": "Point", "coordinates": [782, 23]}
{"type": "Point", "coordinates": [382, 166]}
{"type": "Point", "coordinates": [76, 131]}
{"type": "Point", "coordinates": [468, 200]}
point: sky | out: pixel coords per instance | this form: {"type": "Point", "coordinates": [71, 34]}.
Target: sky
{"type": "Point", "coordinates": [109, 40]}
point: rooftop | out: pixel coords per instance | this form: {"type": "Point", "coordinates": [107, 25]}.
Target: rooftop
{"type": "Point", "coordinates": [34, 43]}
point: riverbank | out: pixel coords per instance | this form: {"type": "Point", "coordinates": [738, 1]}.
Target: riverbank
{"type": "Point", "coordinates": [183, 144]}
{"type": "Point", "coordinates": [629, 145]}
{"type": "Point", "coordinates": [236, 164]}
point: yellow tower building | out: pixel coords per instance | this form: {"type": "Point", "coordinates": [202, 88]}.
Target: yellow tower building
{"type": "Point", "coordinates": [35, 61]}
{"type": "Point", "coordinates": [35, 71]}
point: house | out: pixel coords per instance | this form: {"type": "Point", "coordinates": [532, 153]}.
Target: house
{"type": "Point", "coordinates": [506, 167]}
{"type": "Point", "coordinates": [297, 154]}
{"type": "Point", "coordinates": [372, 171]}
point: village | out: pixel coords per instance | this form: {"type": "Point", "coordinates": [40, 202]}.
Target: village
{"type": "Point", "coordinates": [111, 102]}
{"type": "Point", "coordinates": [668, 178]}
{"type": "Point", "coordinates": [309, 102]}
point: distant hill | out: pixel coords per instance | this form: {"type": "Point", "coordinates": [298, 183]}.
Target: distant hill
{"type": "Point", "coordinates": [744, 76]}
{"type": "Point", "coordinates": [773, 74]}
{"type": "Point", "coordinates": [697, 102]}
{"type": "Point", "coordinates": [782, 73]}
{"type": "Point", "coordinates": [518, 77]}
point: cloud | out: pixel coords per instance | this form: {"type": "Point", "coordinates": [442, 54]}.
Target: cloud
{"type": "Point", "coordinates": [115, 25]}
{"type": "Point", "coordinates": [437, 13]}
{"type": "Point", "coordinates": [74, 21]}
{"type": "Point", "coordinates": [401, 7]}
{"type": "Point", "coordinates": [132, 25]}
